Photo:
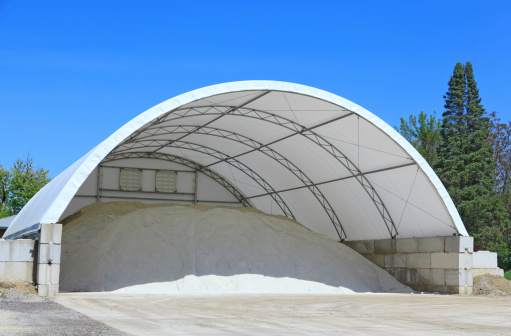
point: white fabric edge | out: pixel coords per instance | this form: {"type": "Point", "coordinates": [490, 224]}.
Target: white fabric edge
{"type": "Point", "coordinates": [6, 221]}
{"type": "Point", "coordinates": [81, 169]}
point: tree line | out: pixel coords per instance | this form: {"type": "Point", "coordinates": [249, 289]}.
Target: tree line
{"type": "Point", "coordinates": [470, 151]}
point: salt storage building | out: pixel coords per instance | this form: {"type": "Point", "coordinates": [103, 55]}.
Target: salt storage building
{"type": "Point", "coordinates": [285, 149]}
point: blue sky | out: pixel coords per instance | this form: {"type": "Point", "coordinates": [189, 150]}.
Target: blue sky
{"type": "Point", "coordinates": [72, 72]}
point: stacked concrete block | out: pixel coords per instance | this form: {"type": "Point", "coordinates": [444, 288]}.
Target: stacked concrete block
{"type": "Point", "coordinates": [16, 260]}
{"type": "Point", "coordinates": [431, 264]}
{"type": "Point", "coordinates": [48, 260]}
{"type": "Point", "coordinates": [485, 262]}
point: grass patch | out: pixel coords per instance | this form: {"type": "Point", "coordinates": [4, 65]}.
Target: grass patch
{"type": "Point", "coordinates": [507, 275]}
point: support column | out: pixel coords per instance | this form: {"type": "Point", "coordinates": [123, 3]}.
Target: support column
{"type": "Point", "coordinates": [48, 260]}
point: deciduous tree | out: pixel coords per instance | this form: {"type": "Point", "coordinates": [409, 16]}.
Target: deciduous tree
{"type": "Point", "coordinates": [20, 184]}
{"type": "Point", "coordinates": [423, 132]}
{"type": "Point", "coordinates": [500, 140]}
{"type": "Point", "coordinates": [4, 174]}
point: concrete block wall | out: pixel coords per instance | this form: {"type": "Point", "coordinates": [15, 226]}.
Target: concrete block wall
{"type": "Point", "coordinates": [485, 262]}
{"type": "Point", "coordinates": [17, 260]}
{"type": "Point", "coordinates": [429, 264]}
{"type": "Point", "coordinates": [48, 259]}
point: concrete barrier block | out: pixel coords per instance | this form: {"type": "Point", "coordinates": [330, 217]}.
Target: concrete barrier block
{"type": "Point", "coordinates": [407, 276]}
{"type": "Point", "coordinates": [468, 277]}
{"type": "Point", "coordinates": [425, 275]}
{"type": "Point", "coordinates": [431, 244]}
{"type": "Point", "coordinates": [458, 277]}
{"type": "Point", "coordinates": [451, 260]}
{"type": "Point", "coordinates": [438, 276]}
{"type": "Point", "coordinates": [49, 253]}
{"type": "Point", "coordinates": [465, 277]}
{"type": "Point", "coordinates": [466, 260]}
{"type": "Point", "coordinates": [385, 246]}
{"type": "Point", "coordinates": [407, 245]}
{"type": "Point", "coordinates": [395, 260]}
{"type": "Point", "coordinates": [364, 246]}
{"type": "Point", "coordinates": [51, 233]}
{"type": "Point", "coordinates": [492, 271]}
{"type": "Point", "coordinates": [467, 245]}
{"type": "Point", "coordinates": [445, 260]}
{"type": "Point", "coordinates": [11, 271]}
{"type": "Point", "coordinates": [48, 290]}
{"type": "Point", "coordinates": [17, 250]}
{"type": "Point", "coordinates": [465, 290]}
{"type": "Point", "coordinates": [46, 233]}
{"type": "Point", "coordinates": [48, 274]}
{"type": "Point", "coordinates": [459, 244]}
{"type": "Point", "coordinates": [484, 259]}
{"type": "Point", "coordinates": [378, 259]}
{"type": "Point", "coordinates": [449, 289]}
{"type": "Point", "coordinates": [392, 271]}
{"type": "Point", "coordinates": [57, 233]}
{"type": "Point", "coordinates": [418, 260]}
{"type": "Point", "coordinates": [432, 288]}
{"type": "Point", "coordinates": [431, 276]}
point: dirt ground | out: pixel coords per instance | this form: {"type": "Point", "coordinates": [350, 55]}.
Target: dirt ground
{"type": "Point", "coordinates": [491, 285]}
{"type": "Point", "coordinates": [371, 314]}
{"type": "Point", "coordinates": [19, 288]}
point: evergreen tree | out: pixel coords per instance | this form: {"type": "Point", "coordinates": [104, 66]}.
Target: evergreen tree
{"type": "Point", "coordinates": [465, 164]}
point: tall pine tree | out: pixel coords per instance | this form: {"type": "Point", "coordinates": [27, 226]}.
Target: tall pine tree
{"type": "Point", "coordinates": [465, 164]}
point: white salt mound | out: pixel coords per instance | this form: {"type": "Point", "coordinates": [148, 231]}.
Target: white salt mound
{"type": "Point", "coordinates": [185, 250]}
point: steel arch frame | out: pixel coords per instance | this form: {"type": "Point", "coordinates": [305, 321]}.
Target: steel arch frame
{"type": "Point", "coordinates": [223, 158]}
{"type": "Point", "coordinates": [185, 162]}
{"type": "Point", "coordinates": [230, 110]}
{"type": "Point", "coordinates": [225, 134]}
{"type": "Point", "coordinates": [296, 128]}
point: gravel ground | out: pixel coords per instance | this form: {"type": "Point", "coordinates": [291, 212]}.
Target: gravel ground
{"type": "Point", "coordinates": [296, 315]}
{"type": "Point", "coordinates": [23, 313]}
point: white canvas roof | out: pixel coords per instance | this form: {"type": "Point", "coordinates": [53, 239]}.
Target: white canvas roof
{"type": "Point", "coordinates": [287, 149]}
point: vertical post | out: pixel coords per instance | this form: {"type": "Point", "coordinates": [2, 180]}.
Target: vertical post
{"type": "Point", "coordinates": [48, 259]}
{"type": "Point", "coordinates": [195, 187]}
{"type": "Point", "coordinates": [35, 261]}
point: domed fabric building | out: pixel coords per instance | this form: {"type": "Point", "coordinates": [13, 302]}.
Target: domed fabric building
{"type": "Point", "coordinates": [282, 148]}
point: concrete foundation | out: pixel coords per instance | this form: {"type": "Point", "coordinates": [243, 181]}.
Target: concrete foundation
{"type": "Point", "coordinates": [430, 264]}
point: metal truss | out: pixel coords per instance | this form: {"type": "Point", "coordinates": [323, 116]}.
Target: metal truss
{"type": "Point", "coordinates": [185, 162]}
{"type": "Point", "coordinates": [164, 122]}
{"type": "Point", "coordinates": [222, 157]}
{"type": "Point", "coordinates": [230, 110]}
{"type": "Point", "coordinates": [341, 178]}
{"type": "Point", "coordinates": [291, 167]}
